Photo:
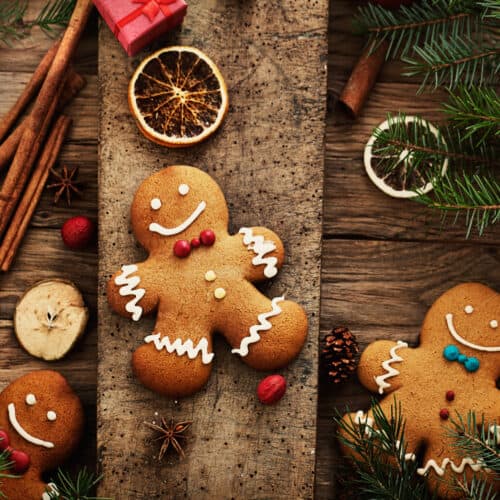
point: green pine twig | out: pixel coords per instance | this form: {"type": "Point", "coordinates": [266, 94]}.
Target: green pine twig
{"type": "Point", "coordinates": [419, 23]}
{"type": "Point", "coordinates": [13, 25]}
{"type": "Point", "coordinates": [80, 487]}
{"type": "Point", "coordinates": [454, 61]}
{"type": "Point", "coordinates": [476, 110]}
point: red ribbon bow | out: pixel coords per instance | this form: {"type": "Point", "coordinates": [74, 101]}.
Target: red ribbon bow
{"type": "Point", "coordinates": [149, 8]}
{"type": "Point", "coordinates": [20, 460]}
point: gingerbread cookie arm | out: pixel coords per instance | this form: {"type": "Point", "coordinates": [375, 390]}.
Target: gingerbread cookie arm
{"type": "Point", "coordinates": [381, 364]}
{"type": "Point", "coordinates": [262, 251]}
{"type": "Point", "coordinates": [131, 291]}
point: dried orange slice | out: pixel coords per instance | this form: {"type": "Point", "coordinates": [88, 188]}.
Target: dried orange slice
{"type": "Point", "coordinates": [178, 97]}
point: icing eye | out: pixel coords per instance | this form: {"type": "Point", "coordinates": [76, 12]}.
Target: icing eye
{"type": "Point", "coordinates": [468, 309]}
{"type": "Point", "coordinates": [494, 323]}
{"type": "Point", "coordinates": [51, 415]}
{"type": "Point", "coordinates": [30, 399]}
{"type": "Point", "coordinates": [156, 203]}
{"type": "Point", "coordinates": [183, 189]}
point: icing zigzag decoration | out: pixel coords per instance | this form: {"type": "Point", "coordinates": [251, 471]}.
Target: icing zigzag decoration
{"type": "Point", "coordinates": [260, 247]}
{"type": "Point", "coordinates": [390, 371]}
{"type": "Point", "coordinates": [182, 348]}
{"type": "Point", "coordinates": [128, 286]}
{"type": "Point", "coordinates": [459, 469]}
{"type": "Point", "coordinates": [262, 326]}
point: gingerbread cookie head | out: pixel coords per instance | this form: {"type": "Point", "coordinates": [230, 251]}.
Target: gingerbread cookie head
{"type": "Point", "coordinates": [177, 203]}
{"type": "Point", "coordinates": [463, 324]}
{"type": "Point", "coordinates": [41, 422]}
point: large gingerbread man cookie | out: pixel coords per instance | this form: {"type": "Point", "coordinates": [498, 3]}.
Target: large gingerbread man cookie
{"type": "Point", "coordinates": [199, 279]}
{"type": "Point", "coordinates": [41, 422]}
{"type": "Point", "coordinates": [454, 369]}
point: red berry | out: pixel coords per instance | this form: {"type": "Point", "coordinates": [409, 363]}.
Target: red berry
{"type": "Point", "coordinates": [271, 389]}
{"type": "Point", "coordinates": [21, 461]}
{"type": "Point", "coordinates": [444, 414]}
{"type": "Point", "coordinates": [207, 237]}
{"type": "Point", "coordinates": [450, 395]}
{"type": "Point", "coordinates": [4, 440]}
{"type": "Point", "coordinates": [182, 248]}
{"type": "Point", "coordinates": [77, 232]}
{"type": "Point", "coordinates": [195, 242]}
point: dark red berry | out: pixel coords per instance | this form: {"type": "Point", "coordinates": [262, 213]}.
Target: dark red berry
{"type": "Point", "coordinates": [444, 414]}
{"type": "Point", "coordinates": [4, 440]}
{"type": "Point", "coordinates": [271, 389]}
{"type": "Point", "coordinates": [450, 395]}
{"type": "Point", "coordinates": [195, 242]}
{"type": "Point", "coordinates": [207, 237]}
{"type": "Point", "coordinates": [21, 461]}
{"type": "Point", "coordinates": [182, 248]}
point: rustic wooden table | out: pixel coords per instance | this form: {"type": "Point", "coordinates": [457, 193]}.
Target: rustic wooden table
{"type": "Point", "coordinates": [384, 261]}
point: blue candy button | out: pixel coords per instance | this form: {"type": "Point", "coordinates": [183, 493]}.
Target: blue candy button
{"type": "Point", "coordinates": [472, 364]}
{"type": "Point", "coordinates": [462, 358]}
{"type": "Point", "coordinates": [451, 352]}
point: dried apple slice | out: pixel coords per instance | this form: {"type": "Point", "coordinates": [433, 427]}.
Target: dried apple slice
{"type": "Point", "coordinates": [49, 318]}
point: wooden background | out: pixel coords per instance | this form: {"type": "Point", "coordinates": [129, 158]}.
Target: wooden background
{"type": "Point", "coordinates": [384, 261]}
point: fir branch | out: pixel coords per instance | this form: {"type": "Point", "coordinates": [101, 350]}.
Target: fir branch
{"type": "Point", "coordinates": [476, 110]}
{"type": "Point", "coordinates": [491, 9]}
{"type": "Point", "coordinates": [454, 61]}
{"type": "Point", "coordinates": [475, 489]}
{"type": "Point", "coordinates": [75, 488]}
{"type": "Point", "coordinates": [55, 14]}
{"type": "Point", "coordinates": [381, 468]}
{"type": "Point", "coordinates": [478, 439]}
{"type": "Point", "coordinates": [476, 196]}
{"type": "Point", "coordinates": [419, 23]}
{"type": "Point", "coordinates": [5, 467]}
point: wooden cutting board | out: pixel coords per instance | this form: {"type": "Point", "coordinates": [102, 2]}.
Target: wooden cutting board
{"type": "Point", "coordinates": [268, 159]}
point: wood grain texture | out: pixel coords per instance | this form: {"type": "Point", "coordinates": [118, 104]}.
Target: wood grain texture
{"type": "Point", "coordinates": [268, 159]}
{"type": "Point", "coordinates": [42, 254]}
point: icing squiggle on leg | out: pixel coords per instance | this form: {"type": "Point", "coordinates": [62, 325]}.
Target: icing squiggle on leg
{"type": "Point", "coordinates": [182, 348]}
{"type": "Point", "coordinates": [263, 325]}
{"type": "Point", "coordinates": [260, 247]}
{"type": "Point", "coordinates": [128, 286]}
{"type": "Point", "coordinates": [390, 371]}
{"type": "Point", "coordinates": [440, 469]}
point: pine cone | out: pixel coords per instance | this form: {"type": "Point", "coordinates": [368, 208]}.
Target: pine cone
{"type": "Point", "coordinates": [339, 354]}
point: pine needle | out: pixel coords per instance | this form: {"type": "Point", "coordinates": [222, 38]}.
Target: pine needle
{"type": "Point", "coordinates": [75, 488]}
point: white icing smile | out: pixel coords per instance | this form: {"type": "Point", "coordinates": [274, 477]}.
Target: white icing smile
{"type": "Point", "coordinates": [458, 338]}
{"type": "Point", "coordinates": [154, 227]}
{"type": "Point", "coordinates": [22, 432]}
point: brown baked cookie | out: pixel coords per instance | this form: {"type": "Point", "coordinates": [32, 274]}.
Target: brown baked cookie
{"type": "Point", "coordinates": [41, 422]}
{"type": "Point", "coordinates": [454, 369]}
{"type": "Point", "coordinates": [199, 278]}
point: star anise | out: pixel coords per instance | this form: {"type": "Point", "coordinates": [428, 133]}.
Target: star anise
{"type": "Point", "coordinates": [66, 183]}
{"type": "Point", "coordinates": [170, 434]}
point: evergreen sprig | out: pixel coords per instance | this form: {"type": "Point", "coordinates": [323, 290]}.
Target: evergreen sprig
{"type": "Point", "coordinates": [454, 61]}
{"type": "Point", "coordinates": [419, 23]}
{"type": "Point", "coordinates": [476, 111]}
{"type": "Point", "coordinates": [379, 467]}
{"type": "Point", "coordinates": [80, 487]}
{"type": "Point", "coordinates": [5, 467]}
{"type": "Point", "coordinates": [13, 25]}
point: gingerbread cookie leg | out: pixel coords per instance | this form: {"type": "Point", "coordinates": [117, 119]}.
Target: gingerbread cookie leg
{"type": "Point", "coordinates": [173, 361]}
{"type": "Point", "coordinates": [266, 334]}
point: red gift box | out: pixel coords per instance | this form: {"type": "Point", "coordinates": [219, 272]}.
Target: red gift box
{"type": "Point", "coordinates": [136, 23]}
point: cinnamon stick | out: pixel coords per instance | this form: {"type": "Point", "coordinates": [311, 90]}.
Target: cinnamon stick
{"type": "Point", "coordinates": [74, 83]}
{"type": "Point", "coordinates": [29, 201]}
{"type": "Point", "coordinates": [362, 79]}
{"type": "Point", "coordinates": [42, 113]}
{"type": "Point", "coordinates": [29, 91]}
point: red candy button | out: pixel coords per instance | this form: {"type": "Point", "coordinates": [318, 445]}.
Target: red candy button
{"type": "Point", "coordinates": [207, 237]}
{"type": "Point", "coordinates": [195, 242]}
{"type": "Point", "coordinates": [444, 414]}
{"type": "Point", "coordinates": [182, 249]}
{"type": "Point", "coordinates": [450, 395]}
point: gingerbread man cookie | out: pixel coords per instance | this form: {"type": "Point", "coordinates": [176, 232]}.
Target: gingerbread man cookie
{"type": "Point", "coordinates": [41, 422]}
{"type": "Point", "coordinates": [454, 369]}
{"type": "Point", "coordinates": [199, 279]}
